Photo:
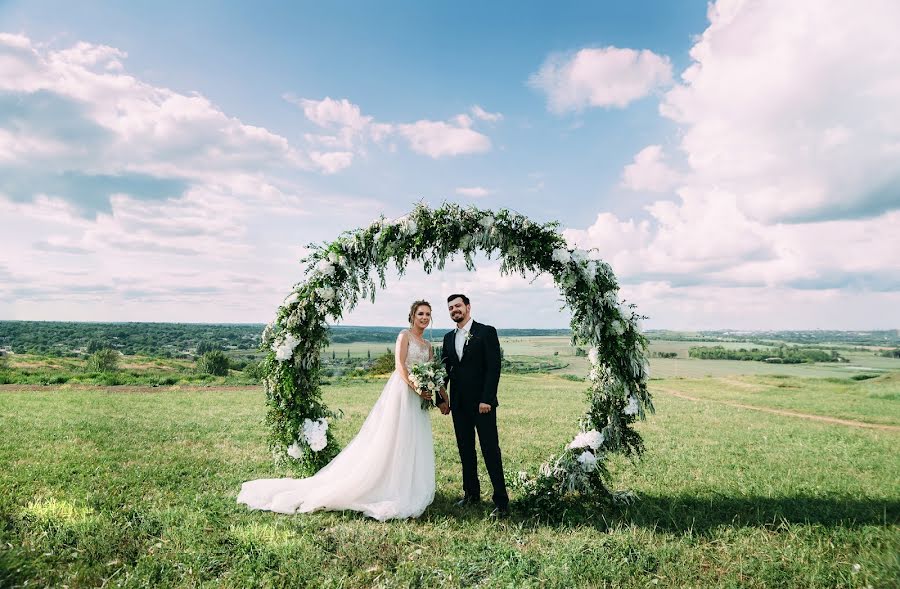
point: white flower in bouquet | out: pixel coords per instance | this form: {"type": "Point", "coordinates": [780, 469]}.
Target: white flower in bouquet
{"type": "Point", "coordinates": [326, 293]}
{"type": "Point", "coordinates": [590, 271]}
{"type": "Point", "coordinates": [284, 347]}
{"type": "Point", "coordinates": [325, 267]}
{"type": "Point", "coordinates": [290, 299]}
{"type": "Point", "coordinates": [588, 461]}
{"type": "Point", "coordinates": [465, 242]}
{"type": "Point", "coordinates": [562, 256]}
{"type": "Point", "coordinates": [593, 356]}
{"type": "Point", "coordinates": [579, 256]}
{"type": "Point", "coordinates": [590, 439]}
{"type": "Point", "coordinates": [294, 451]}
{"type": "Point", "coordinates": [334, 258]}
{"type": "Point", "coordinates": [633, 406]}
{"type": "Point", "coordinates": [486, 222]}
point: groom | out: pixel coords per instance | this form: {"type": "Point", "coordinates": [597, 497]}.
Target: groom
{"type": "Point", "coordinates": [471, 356]}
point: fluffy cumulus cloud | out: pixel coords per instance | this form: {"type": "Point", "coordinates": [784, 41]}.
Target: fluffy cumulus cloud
{"type": "Point", "coordinates": [609, 77]}
{"type": "Point", "coordinates": [649, 171]}
{"type": "Point", "coordinates": [123, 200]}
{"type": "Point", "coordinates": [789, 195]}
{"type": "Point", "coordinates": [347, 128]}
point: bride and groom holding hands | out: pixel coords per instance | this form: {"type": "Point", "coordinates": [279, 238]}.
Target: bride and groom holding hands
{"type": "Point", "coordinates": [388, 470]}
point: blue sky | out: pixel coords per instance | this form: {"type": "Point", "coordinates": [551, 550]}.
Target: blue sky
{"type": "Point", "coordinates": [168, 162]}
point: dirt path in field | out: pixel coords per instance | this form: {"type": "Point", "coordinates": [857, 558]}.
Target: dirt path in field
{"type": "Point", "coordinates": [890, 428]}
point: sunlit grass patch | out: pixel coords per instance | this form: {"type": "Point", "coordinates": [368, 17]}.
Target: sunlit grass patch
{"type": "Point", "coordinates": [261, 534]}
{"type": "Point", "coordinates": [59, 513]}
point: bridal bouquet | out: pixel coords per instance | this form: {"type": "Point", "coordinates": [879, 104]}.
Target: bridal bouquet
{"type": "Point", "coordinates": [428, 376]}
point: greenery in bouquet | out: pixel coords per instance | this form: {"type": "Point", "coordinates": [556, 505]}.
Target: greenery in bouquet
{"type": "Point", "coordinates": [428, 376]}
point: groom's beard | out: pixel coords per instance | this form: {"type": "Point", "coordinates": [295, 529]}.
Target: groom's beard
{"type": "Point", "coordinates": [456, 317]}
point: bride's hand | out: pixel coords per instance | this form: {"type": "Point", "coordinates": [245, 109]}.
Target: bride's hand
{"type": "Point", "coordinates": [425, 395]}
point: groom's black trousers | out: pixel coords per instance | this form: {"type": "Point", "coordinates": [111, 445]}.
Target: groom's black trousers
{"type": "Point", "coordinates": [465, 424]}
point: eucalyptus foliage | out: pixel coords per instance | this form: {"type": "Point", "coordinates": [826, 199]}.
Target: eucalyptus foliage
{"type": "Point", "coordinates": [352, 267]}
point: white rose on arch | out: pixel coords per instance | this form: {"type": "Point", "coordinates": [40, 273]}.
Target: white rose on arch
{"type": "Point", "coordinates": [326, 293]}
{"type": "Point", "coordinates": [590, 439]}
{"type": "Point", "coordinates": [325, 267]}
{"type": "Point", "coordinates": [562, 256]}
{"type": "Point", "coordinates": [633, 406]}
{"type": "Point", "coordinates": [588, 461]}
{"type": "Point", "coordinates": [284, 346]}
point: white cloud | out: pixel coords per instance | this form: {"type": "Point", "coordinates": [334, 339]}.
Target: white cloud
{"type": "Point", "coordinates": [795, 107]}
{"type": "Point", "coordinates": [352, 131]}
{"type": "Point", "coordinates": [649, 172]}
{"type": "Point", "coordinates": [438, 139]}
{"type": "Point", "coordinates": [120, 200]}
{"type": "Point", "coordinates": [474, 191]}
{"type": "Point", "coordinates": [333, 161]}
{"type": "Point", "coordinates": [481, 114]}
{"type": "Point", "coordinates": [607, 77]}
{"type": "Point", "coordinates": [788, 206]}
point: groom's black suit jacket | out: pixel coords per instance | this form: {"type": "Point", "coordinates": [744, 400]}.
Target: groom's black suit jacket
{"type": "Point", "coordinates": [473, 379]}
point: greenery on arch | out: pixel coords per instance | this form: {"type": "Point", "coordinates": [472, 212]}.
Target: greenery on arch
{"type": "Point", "coordinates": [341, 273]}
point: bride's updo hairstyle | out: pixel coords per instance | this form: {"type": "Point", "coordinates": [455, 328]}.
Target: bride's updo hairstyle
{"type": "Point", "coordinates": [415, 307]}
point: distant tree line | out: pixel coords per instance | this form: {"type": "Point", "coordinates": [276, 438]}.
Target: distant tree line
{"type": "Point", "coordinates": [175, 340]}
{"type": "Point", "coordinates": [776, 355]}
{"type": "Point", "coordinates": [810, 337]}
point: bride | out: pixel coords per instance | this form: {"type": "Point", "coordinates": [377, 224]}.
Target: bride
{"type": "Point", "coordinates": [387, 470]}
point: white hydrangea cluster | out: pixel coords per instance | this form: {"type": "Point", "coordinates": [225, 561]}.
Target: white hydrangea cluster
{"type": "Point", "coordinates": [633, 406]}
{"type": "Point", "coordinates": [588, 461]}
{"type": "Point", "coordinates": [314, 432]}
{"type": "Point", "coordinates": [590, 439]}
{"type": "Point", "coordinates": [284, 346]}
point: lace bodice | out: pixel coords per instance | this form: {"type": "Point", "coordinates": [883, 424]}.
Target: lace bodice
{"type": "Point", "coordinates": [418, 352]}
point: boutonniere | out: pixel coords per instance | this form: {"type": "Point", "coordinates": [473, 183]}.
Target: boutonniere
{"type": "Point", "coordinates": [468, 337]}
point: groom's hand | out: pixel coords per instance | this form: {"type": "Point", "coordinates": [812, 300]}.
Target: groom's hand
{"type": "Point", "coordinates": [444, 407]}
{"type": "Point", "coordinates": [484, 408]}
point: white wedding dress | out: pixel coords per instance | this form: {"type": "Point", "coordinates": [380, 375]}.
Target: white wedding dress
{"type": "Point", "coordinates": [386, 471]}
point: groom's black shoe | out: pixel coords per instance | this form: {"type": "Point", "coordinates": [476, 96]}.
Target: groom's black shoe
{"type": "Point", "coordinates": [467, 500]}
{"type": "Point", "coordinates": [500, 513]}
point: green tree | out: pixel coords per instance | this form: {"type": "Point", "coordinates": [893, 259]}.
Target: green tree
{"type": "Point", "coordinates": [214, 362]}
{"type": "Point", "coordinates": [207, 346]}
{"type": "Point", "coordinates": [383, 364]}
{"type": "Point", "coordinates": [95, 345]}
{"type": "Point", "coordinates": [105, 360]}
{"type": "Point", "coordinates": [4, 360]}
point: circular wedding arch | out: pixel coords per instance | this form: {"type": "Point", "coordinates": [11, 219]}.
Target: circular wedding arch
{"type": "Point", "coordinates": [340, 273]}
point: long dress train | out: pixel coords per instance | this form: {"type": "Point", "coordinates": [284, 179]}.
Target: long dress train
{"type": "Point", "coordinates": [386, 471]}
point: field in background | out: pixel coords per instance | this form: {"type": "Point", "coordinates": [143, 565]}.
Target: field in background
{"type": "Point", "coordinates": [756, 475]}
{"type": "Point", "coordinates": [130, 486]}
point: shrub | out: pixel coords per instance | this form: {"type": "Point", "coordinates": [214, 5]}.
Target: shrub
{"type": "Point", "coordinates": [384, 364]}
{"type": "Point", "coordinates": [254, 370]}
{"type": "Point", "coordinates": [214, 363]}
{"type": "Point", "coordinates": [105, 360]}
{"type": "Point", "coordinates": [4, 360]}
{"type": "Point", "coordinates": [205, 347]}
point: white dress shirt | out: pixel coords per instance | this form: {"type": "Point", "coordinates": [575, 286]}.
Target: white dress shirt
{"type": "Point", "coordinates": [461, 333]}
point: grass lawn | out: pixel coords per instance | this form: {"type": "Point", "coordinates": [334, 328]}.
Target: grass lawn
{"type": "Point", "coordinates": [135, 487]}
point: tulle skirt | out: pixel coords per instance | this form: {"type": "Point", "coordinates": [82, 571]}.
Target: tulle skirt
{"type": "Point", "coordinates": [385, 472]}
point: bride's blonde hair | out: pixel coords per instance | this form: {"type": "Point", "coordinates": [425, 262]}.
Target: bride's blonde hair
{"type": "Point", "coordinates": [415, 307]}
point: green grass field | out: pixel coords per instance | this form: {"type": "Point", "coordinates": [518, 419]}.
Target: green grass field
{"type": "Point", "coordinates": [136, 487]}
